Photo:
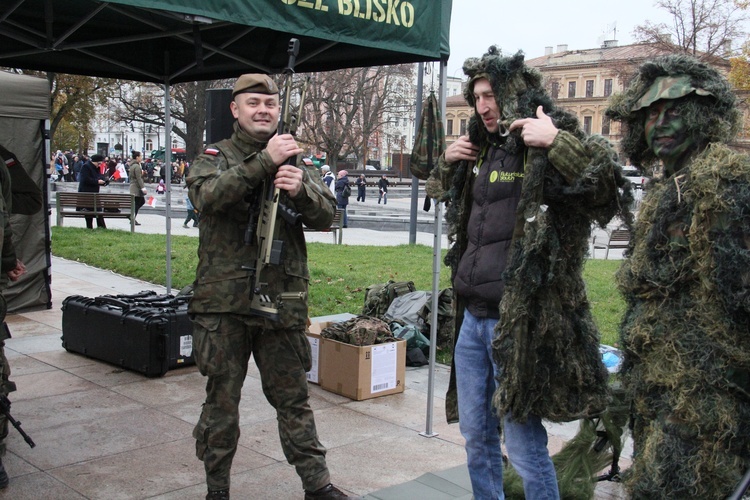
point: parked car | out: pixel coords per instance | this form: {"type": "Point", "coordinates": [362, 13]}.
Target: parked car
{"type": "Point", "coordinates": [635, 175]}
{"type": "Point", "coordinates": [370, 167]}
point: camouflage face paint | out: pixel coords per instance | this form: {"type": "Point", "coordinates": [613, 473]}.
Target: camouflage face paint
{"type": "Point", "coordinates": [666, 133]}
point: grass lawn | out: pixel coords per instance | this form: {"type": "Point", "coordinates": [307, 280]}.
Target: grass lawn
{"type": "Point", "coordinates": [339, 274]}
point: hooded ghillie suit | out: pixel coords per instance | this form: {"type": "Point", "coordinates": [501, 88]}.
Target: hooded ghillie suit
{"type": "Point", "coordinates": [687, 287]}
{"type": "Point", "coordinates": [546, 344]}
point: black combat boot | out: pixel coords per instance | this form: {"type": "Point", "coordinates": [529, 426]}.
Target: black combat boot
{"type": "Point", "coordinates": [328, 492]}
{"type": "Point", "coordinates": [3, 477]}
{"type": "Point", "coordinates": [218, 495]}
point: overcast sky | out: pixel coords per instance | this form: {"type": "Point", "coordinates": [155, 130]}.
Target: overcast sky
{"type": "Point", "coordinates": [531, 25]}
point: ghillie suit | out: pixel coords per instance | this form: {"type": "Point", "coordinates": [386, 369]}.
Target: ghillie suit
{"type": "Point", "coordinates": [546, 342]}
{"type": "Point", "coordinates": [687, 287]}
{"type": "Point", "coordinates": [597, 445]}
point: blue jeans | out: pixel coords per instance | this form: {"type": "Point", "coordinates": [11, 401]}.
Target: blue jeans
{"type": "Point", "coordinates": [526, 443]}
{"type": "Point", "coordinates": [345, 217]}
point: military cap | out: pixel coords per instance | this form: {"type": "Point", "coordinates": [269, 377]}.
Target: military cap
{"type": "Point", "coordinates": [668, 87]}
{"type": "Point", "coordinates": [256, 83]}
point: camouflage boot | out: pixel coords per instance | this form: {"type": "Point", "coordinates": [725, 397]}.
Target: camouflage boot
{"type": "Point", "coordinates": [328, 492]}
{"type": "Point", "coordinates": [3, 477]}
{"type": "Point", "coordinates": [218, 495]}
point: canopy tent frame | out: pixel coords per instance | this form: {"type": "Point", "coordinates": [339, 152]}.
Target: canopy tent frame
{"type": "Point", "coordinates": [216, 39]}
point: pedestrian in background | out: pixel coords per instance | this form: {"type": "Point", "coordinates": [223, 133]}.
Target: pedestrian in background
{"type": "Point", "coordinates": [343, 191]}
{"type": "Point", "coordinates": [137, 186]}
{"type": "Point", "coordinates": [361, 183]}
{"type": "Point", "coordinates": [383, 189]}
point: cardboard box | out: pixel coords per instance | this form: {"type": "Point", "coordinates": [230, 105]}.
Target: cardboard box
{"type": "Point", "coordinates": [361, 372]}
{"type": "Point", "coordinates": [314, 339]}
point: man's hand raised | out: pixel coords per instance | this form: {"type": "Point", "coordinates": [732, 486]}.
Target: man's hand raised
{"type": "Point", "coordinates": [537, 132]}
{"type": "Point", "coordinates": [281, 148]}
{"type": "Point", "coordinates": [462, 149]}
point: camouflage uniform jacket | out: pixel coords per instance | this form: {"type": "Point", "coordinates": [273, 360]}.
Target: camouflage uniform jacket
{"type": "Point", "coordinates": [8, 252]}
{"type": "Point", "coordinates": [222, 182]}
{"type": "Point", "coordinates": [544, 273]}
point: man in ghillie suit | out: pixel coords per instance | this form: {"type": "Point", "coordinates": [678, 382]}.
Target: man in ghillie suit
{"type": "Point", "coordinates": [687, 284]}
{"type": "Point", "coordinates": [523, 189]}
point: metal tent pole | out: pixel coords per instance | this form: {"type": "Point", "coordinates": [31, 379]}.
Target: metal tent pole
{"type": "Point", "coordinates": [168, 181]}
{"type": "Point", "coordinates": [436, 266]}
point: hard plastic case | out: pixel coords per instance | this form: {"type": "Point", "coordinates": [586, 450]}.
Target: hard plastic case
{"type": "Point", "coordinates": [144, 332]}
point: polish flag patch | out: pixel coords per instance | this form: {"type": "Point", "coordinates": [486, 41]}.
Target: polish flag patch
{"type": "Point", "coordinates": [10, 162]}
{"type": "Point", "coordinates": [211, 151]}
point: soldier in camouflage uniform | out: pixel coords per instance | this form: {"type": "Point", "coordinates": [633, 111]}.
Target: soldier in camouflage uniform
{"type": "Point", "coordinates": [686, 282]}
{"type": "Point", "coordinates": [24, 198]}
{"type": "Point", "coordinates": [222, 182]}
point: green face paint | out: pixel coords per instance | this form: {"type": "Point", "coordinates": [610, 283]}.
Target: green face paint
{"type": "Point", "coordinates": [666, 133]}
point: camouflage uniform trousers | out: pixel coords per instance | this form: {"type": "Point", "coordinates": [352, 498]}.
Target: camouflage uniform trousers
{"type": "Point", "coordinates": [222, 345]}
{"type": "Point", "coordinates": [6, 387]}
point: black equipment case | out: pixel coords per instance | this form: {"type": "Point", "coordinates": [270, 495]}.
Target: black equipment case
{"type": "Point", "coordinates": [143, 332]}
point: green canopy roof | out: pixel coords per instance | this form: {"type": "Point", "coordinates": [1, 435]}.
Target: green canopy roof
{"type": "Point", "coordinates": [182, 40]}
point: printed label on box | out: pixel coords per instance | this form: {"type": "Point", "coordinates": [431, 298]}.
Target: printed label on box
{"type": "Point", "coordinates": [383, 374]}
{"type": "Point", "coordinates": [312, 375]}
{"type": "Point", "coordinates": [186, 345]}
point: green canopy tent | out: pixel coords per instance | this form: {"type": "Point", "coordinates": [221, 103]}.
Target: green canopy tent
{"type": "Point", "coordinates": [177, 41]}
{"type": "Point", "coordinates": [173, 41]}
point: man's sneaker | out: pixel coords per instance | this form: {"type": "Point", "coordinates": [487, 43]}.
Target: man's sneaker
{"type": "Point", "coordinates": [218, 495]}
{"type": "Point", "coordinates": [329, 492]}
{"type": "Point", "coordinates": [3, 477]}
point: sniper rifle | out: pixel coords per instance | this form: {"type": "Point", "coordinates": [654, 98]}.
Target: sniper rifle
{"type": "Point", "coordinates": [270, 248]}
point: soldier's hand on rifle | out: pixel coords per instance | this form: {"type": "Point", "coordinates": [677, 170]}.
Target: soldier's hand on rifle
{"type": "Point", "coordinates": [282, 147]}
{"type": "Point", "coordinates": [289, 178]}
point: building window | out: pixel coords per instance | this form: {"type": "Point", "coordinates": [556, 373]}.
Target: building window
{"type": "Point", "coordinates": [587, 124]}
{"type": "Point", "coordinates": [463, 126]}
{"type": "Point", "coordinates": [555, 89]}
{"type": "Point", "coordinates": [589, 88]}
{"type": "Point", "coordinates": [149, 144]}
{"type": "Point", "coordinates": [605, 125]}
{"type": "Point", "coordinates": [449, 128]}
{"type": "Point", "coordinates": [571, 89]}
{"type": "Point", "coordinates": [607, 87]}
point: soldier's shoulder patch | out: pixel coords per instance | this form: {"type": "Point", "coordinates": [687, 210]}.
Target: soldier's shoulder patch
{"type": "Point", "coordinates": [211, 151]}
{"type": "Point", "coordinates": [10, 162]}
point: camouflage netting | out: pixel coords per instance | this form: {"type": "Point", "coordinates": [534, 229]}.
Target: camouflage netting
{"type": "Point", "coordinates": [360, 331]}
{"type": "Point", "coordinates": [685, 333]}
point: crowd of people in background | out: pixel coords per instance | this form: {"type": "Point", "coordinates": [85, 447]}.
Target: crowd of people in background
{"type": "Point", "coordinates": [65, 166]}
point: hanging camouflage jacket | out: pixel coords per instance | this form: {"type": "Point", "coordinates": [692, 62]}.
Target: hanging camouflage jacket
{"type": "Point", "coordinates": [222, 182]}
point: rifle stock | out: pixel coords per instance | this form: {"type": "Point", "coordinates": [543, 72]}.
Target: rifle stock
{"type": "Point", "coordinates": [270, 249]}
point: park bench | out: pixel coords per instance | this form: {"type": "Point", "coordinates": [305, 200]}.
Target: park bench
{"type": "Point", "coordinates": [335, 228]}
{"type": "Point", "coordinates": [107, 205]}
{"type": "Point", "coordinates": [618, 238]}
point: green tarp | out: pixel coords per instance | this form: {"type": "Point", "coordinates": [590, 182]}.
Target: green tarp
{"type": "Point", "coordinates": [178, 40]}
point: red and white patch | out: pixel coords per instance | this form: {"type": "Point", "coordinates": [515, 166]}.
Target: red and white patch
{"type": "Point", "coordinates": [211, 151]}
{"type": "Point", "coordinates": [10, 162]}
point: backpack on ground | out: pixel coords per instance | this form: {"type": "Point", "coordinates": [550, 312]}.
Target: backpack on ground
{"type": "Point", "coordinates": [379, 296]}
{"type": "Point", "coordinates": [347, 191]}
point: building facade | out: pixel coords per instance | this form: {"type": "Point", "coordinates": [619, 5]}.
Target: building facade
{"type": "Point", "coordinates": [582, 81]}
